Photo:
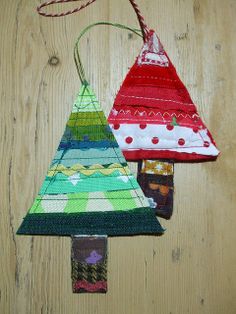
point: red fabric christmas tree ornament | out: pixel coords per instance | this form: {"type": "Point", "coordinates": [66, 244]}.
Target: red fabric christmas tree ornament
{"type": "Point", "coordinates": [153, 116]}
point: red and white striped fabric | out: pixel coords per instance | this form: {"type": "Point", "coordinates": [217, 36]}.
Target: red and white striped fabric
{"type": "Point", "coordinates": [153, 115]}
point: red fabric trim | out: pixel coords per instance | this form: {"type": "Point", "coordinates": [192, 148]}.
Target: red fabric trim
{"type": "Point", "coordinates": [91, 287]}
{"type": "Point", "coordinates": [134, 155]}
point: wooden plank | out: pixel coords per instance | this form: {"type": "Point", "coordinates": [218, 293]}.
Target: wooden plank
{"type": "Point", "coordinates": [192, 268]}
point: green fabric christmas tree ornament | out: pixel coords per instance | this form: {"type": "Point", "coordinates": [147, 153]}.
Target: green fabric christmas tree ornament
{"type": "Point", "coordinates": [89, 188]}
{"type": "Point", "coordinates": [89, 192]}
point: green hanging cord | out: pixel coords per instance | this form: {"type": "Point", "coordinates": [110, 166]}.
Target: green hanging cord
{"type": "Point", "coordinates": [78, 63]}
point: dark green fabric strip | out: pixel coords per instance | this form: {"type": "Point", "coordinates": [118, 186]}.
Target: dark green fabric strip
{"type": "Point", "coordinates": [114, 223]}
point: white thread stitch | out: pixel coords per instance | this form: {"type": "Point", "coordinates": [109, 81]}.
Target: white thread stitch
{"type": "Point", "coordinates": [153, 77]}
{"type": "Point", "coordinates": [166, 113]}
{"type": "Point", "coordinates": [151, 98]}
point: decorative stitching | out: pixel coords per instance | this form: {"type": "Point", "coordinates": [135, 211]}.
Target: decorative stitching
{"type": "Point", "coordinates": [153, 77]}
{"type": "Point", "coordinates": [152, 98]}
{"type": "Point", "coordinates": [141, 113]}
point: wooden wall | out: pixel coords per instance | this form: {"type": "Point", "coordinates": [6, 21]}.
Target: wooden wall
{"type": "Point", "coordinates": [192, 268]}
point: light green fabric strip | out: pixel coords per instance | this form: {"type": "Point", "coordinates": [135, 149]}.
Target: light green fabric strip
{"type": "Point", "coordinates": [121, 200]}
{"type": "Point", "coordinates": [86, 101]}
{"type": "Point", "coordinates": [94, 201]}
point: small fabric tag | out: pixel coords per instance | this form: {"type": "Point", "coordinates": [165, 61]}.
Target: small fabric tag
{"type": "Point", "coordinates": [153, 52]}
{"type": "Point", "coordinates": [156, 178]}
{"type": "Point", "coordinates": [89, 264]}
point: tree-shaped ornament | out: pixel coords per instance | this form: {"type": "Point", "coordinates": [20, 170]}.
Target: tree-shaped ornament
{"type": "Point", "coordinates": [89, 192]}
{"type": "Point", "coordinates": [156, 123]}
{"type": "Point", "coordinates": [89, 188]}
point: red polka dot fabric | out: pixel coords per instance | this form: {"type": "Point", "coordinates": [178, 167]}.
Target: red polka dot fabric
{"type": "Point", "coordinates": [154, 116]}
{"type": "Point", "coordinates": [155, 140]}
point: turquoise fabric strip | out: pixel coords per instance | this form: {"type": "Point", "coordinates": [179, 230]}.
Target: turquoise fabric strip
{"type": "Point", "coordinates": [89, 157]}
{"type": "Point", "coordinates": [54, 185]}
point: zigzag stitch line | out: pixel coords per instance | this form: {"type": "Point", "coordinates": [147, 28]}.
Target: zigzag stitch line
{"type": "Point", "coordinates": [141, 113]}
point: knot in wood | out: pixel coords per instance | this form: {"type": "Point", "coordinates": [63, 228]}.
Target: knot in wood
{"type": "Point", "coordinates": [53, 61]}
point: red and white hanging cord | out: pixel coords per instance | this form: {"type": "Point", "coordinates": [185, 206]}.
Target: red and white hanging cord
{"type": "Point", "coordinates": [142, 23]}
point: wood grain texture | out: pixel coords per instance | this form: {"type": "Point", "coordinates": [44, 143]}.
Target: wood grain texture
{"type": "Point", "coordinates": [192, 268]}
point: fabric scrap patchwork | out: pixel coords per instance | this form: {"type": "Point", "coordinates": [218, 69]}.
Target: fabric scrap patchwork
{"type": "Point", "coordinates": [89, 185]}
{"type": "Point", "coordinates": [89, 264]}
{"type": "Point", "coordinates": [156, 180]}
{"type": "Point", "coordinates": [153, 116]}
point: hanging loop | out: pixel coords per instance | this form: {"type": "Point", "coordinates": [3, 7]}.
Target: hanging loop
{"type": "Point", "coordinates": [79, 64]}
{"type": "Point", "coordinates": [140, 17]}
{"type": "Point", "coordinates": [143, 25]}
{"type": "Point", "coordinates": [48, 3]}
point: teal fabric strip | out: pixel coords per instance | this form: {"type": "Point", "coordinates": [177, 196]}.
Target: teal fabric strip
{"type": "Point", "coordinates": [90, 157]}
{"type": "Point", "coordinates": [53, 185]}
{"type": "Point", "coordinates": [110, 223]}
{"type": "Point", "coordinates": [86, 144]}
